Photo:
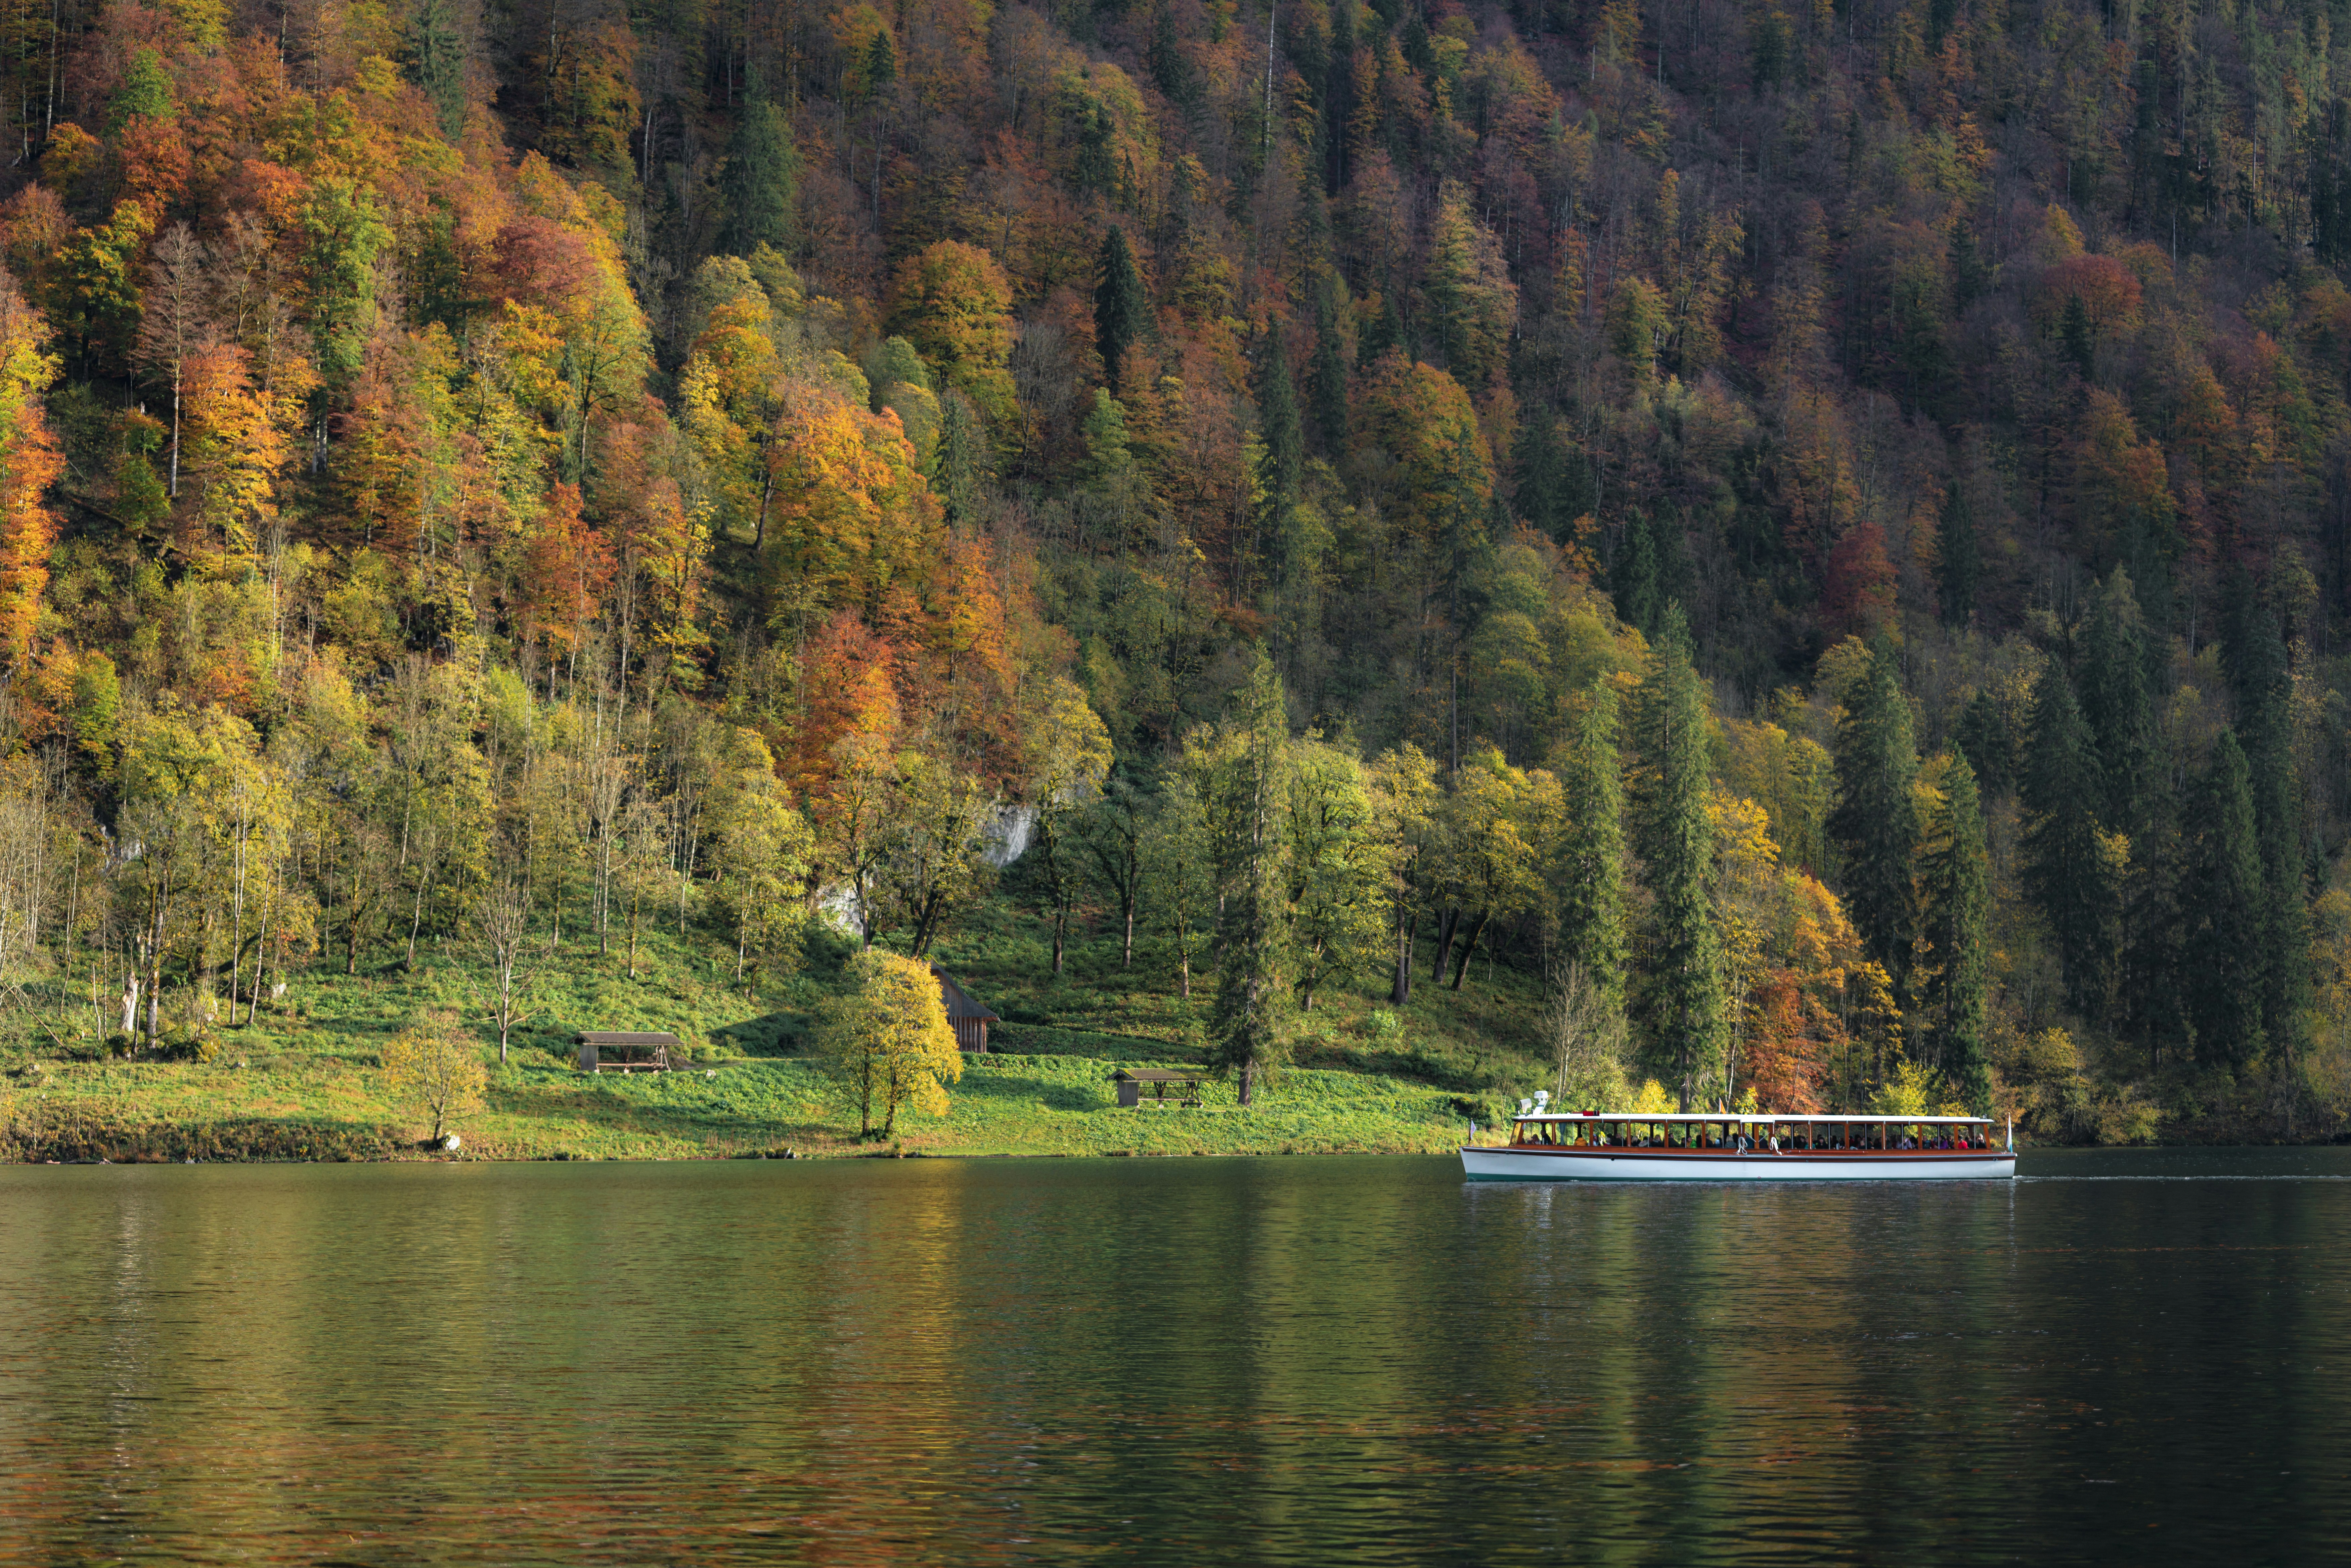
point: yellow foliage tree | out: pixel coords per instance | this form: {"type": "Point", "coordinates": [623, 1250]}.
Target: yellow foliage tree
{"type": "Point", "coordinates": [887, 1043]}
{"type": "Point", "coordinates": [430, 1067]}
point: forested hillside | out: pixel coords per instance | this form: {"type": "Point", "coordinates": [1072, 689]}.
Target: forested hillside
{"type": "Point", "coordinates": [1813, 532]}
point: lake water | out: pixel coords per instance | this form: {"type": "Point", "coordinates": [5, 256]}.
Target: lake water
{"type": "Point", "coordinates": [1301, 1360]}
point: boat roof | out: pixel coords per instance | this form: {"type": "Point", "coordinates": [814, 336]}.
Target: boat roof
{"type": "Point", "coordinates": [1747, 1116]}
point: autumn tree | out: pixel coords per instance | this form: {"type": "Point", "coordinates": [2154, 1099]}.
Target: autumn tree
{"type": "Point", "coordinates": [432, 1068]}
{"type": "Point", "coordinates": [886, 1041]}
{"type": "Point", "coordinates": [29, 465]}
{"type": "Point", "coordinates": [953, 303]}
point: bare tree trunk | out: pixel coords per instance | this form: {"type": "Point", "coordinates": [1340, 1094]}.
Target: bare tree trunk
{"type": "Point", "coordinates": [1408, 933]}
{"type": "Point", "coordinates": [1461, 966]}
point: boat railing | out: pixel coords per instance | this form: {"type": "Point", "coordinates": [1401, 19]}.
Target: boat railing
{"type": "Point", "coordinates": [1763, 1134]}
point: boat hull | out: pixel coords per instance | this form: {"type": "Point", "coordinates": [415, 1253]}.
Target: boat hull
{"type": "Point", "coordinates": [1520, 1164]}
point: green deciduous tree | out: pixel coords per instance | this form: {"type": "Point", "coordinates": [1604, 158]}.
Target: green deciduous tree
{"type": "Point", "coordinates": [1332, 866]}
{"type": "Point", "coordinates": [1068, 755]}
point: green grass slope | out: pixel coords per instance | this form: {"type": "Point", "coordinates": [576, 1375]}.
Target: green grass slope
{"type": "Point", "coordinates": [304, 1082]}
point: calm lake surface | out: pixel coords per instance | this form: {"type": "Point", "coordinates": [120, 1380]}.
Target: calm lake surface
{"type": "Point", "coordinates": [1301, 1360]}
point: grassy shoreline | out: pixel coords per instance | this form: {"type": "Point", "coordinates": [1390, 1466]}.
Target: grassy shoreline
{"type": "Point", "coordinates": [1007, 1104]}
{"type": "Point", "coordinates": [304, 1081]}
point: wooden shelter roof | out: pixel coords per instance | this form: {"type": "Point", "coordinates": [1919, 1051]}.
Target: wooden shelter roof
{"type": "Point", "coordinates": [958, 1001]}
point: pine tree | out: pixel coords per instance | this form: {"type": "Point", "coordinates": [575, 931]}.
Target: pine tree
{"type": "Point", "coordinates": [1339, 97]}
{"type": "Point", "coordinates": [1875, 822]}
{"type": "Point", "coordinates": [2068, 869]}
{"type": "Point", "coordinates": [1276, 411]}
{"type": "Point", "coordinates": [881, 65]}
{"type": "Point", "coordinates": [1957, 876]}
{"type": "Point", "coordinates": [1960, 560]}
{"type": "Point", "coordinates": [959, 463]}
{"type": "Point", "coordinates": [1985, 734]}
{"type": "Point", "coordinates": [1330, 369]}
{"type": "Point", "coordinates": [2074, 334]}
{"type": "Point", "coordinates": [759, 181]}
{"type": "Point", "coordinates": [1681, 1003]}
{"type": "Point", "coordinates": [1539, 477]}
{"type": "Point", "coordinates": [1171, 69]}
{"type": "Point", "coordinates": [1588, 890]}
{"type": "Point", "coordinates": [1243, 1026]}
{"type": "Point", "coordinates": [2226, 952]}
{"type": "Point", "coordinates": [2115, 704]}
{"type": "Point", "coordinates": [1633, 576]}
{"type": "Point", "coordinates": [1120, 307]}
{"type": "Point", "coordinates": [436, 62]}
{"type": "Point", "coordinates": [2253, 657]}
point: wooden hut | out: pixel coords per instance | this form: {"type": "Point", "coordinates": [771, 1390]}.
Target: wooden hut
{"type": "Point", "coordinates": [966, 1017]}
{"type": "Point", "coordinates": [621, 1051]}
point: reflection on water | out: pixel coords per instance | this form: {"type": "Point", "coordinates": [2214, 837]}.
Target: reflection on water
{"type": "Point", "coordinates": [1242, 1361]}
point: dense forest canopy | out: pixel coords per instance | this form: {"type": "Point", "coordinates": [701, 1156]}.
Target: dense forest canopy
{"type": "Point", "coordinates": [1819, 528]}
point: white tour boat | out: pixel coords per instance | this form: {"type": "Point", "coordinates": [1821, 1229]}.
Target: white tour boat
{"type": "Point", "coordinates": [1629, 1145]}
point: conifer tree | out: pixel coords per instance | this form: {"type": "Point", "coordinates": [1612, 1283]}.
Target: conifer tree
{"type": "Point", "coordinates": [1875, 822]}
{"type": "Point", "coordinates": [1960, 557]}
{"type": "Point", "coordinates": [1171, 69]}
{"type": "Point", "coordinates": [2115, 705]}
{"type": "Point", "coordinates": [1330, 369]}
{"type": "Point", "coordinates": [881, 65]}
{"type": "Point", "coordinates": [1243, 1026]}
{"type": "Point", "coordinates": [2253, 657]}
{"type": "Point", "coordinates": [436, 62]}
{"type": "Point", "coordinates": [1588, 887]}
{"type": "Point", "coordinates": [1633, 576]}
{"type": "Point", "coordinates": [1276, 408]}
{"type": "Point", "coordinates": [1119, 306]}
{"type": "Point", "coordinates": [760, 179]}
{"type": "Point", "coordinates": [1537, 479]}
{"type": "Point", "coordinates": [1681, 1004]}
{"type": "Point", "coordinates": [1957, 913]}
{"type": "Point", "coordinates": [959, 463]}
{"type": "Point", "coordinates": [2227, 953]}
{"type": "Point", "coordinates": [1985, 734]}
{"type": "Point", "coordinates": [2069, 872]}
